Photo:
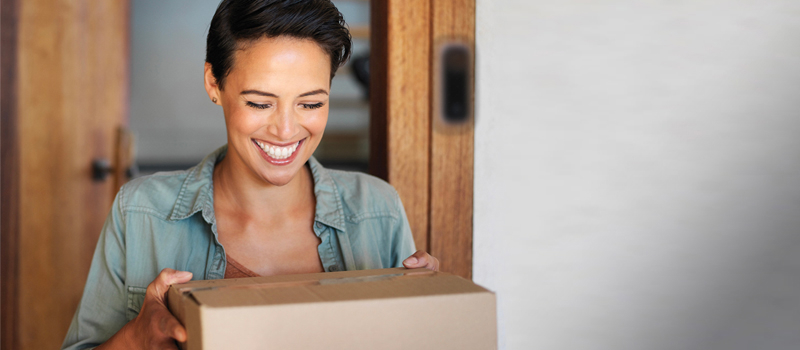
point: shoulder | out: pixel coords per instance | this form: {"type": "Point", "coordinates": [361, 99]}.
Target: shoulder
{"type": "Point", "coordinates": [156, 193]}
{"type": "Point", "coordinates": [365, 195]}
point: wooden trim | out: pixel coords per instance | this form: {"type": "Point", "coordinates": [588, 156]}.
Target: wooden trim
{"type": "Point", "coordinates": [379, 72]}
{"type": "Point", "coordinates": [452, 148]}
{"type": "Point", "coordinates": [429, 162]}
{"type": "Point", "coordinates": [9, 177]}
{"type": "Point", "coordinates": [400, 112]}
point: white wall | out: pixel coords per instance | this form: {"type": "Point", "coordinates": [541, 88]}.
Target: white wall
{"type": "Point", "coordinates": [638, 173]}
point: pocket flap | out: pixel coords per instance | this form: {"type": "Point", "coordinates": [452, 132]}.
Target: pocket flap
{"type": "Point", "coordinates": [135, 300]}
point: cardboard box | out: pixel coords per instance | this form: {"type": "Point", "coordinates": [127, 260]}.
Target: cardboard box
{"type": "Point", "coordinates": [368, 309]}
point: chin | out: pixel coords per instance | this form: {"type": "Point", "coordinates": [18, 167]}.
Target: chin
{"type": "Point", "coordinates": [282, 181]}
{"type": "Point", "coordinates": [281, 177]}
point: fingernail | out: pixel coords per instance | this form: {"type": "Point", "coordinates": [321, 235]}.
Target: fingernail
{"type": "Point", "coordinates": [411, 261]}
{"type": "Point", "coordinates": [184, 274]}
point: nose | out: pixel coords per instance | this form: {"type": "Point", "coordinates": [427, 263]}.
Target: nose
{"type": "Point", "coordinates": [283, 123]}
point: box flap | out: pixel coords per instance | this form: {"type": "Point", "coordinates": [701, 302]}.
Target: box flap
{"type": "Point", "coordinates": [331, 286]}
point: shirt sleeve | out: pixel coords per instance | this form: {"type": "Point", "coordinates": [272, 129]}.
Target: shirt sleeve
{"type": "Point", "coordinates": [101, 312]}
{"type": "Point", "coordinates": [403, 242]}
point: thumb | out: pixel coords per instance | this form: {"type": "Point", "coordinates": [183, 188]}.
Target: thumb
{"type": "Point", "coordinates": [181, 277]}
{"type": "Point", "coordinates": [166, 278]}
{"type": "Point", "coordinates": [418, 259]}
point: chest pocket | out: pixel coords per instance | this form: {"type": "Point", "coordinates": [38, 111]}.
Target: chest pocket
{"type": "Point", "coordinates": [135, 300]}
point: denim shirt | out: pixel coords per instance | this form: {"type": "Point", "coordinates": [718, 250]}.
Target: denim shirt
{"type": "Point", "coordinates": [167, 220]}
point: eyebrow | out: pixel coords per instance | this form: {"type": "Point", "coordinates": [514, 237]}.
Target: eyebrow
{"type": "Point", "coordinates": [317, 91]}
{"type": "Point", "coordinates": [256, 92]}
{"type": "Point", "coordinates": [269, 94]}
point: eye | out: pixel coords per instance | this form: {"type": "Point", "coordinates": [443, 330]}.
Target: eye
{"type": "Point", "coordinates": [312, 105]}
{"type": "Point", "coordinates": [258, 106]}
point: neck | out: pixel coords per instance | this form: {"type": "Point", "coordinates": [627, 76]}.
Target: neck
{"type": "Point", "coordinates": [237, 188]}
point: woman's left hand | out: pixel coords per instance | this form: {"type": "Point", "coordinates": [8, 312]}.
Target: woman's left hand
{"type": "Point", "coordinates": [421, 259]}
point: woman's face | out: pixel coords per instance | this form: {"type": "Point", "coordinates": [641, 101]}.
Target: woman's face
{"type": "Point", "coordinates": [275, 101]}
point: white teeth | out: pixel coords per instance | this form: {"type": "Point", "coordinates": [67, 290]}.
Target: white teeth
{"type": "Point", "coordinates": [278, 152]}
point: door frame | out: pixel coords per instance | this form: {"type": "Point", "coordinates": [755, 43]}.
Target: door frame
{"type": "Point", "coordinates": [9, 175]}
{"type": "Point", "coordinates": [429, 162]}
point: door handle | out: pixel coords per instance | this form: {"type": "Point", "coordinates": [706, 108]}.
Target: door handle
{"type": "Point", "coordinates": [456, 76]}
{"type": "Point", "coordinates": [125, 167]}
{"type": "Point", "coordinates": [101, 168]}
{"type": "Point", "coordinates": [454, 69]}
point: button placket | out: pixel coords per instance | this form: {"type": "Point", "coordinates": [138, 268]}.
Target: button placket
{"type": "Point", "coordinates": [320, 228]}
{"type": "Point", "coordinates": [219, 262]}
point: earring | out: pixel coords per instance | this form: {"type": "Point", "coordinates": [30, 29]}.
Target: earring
{"type": "Point", "coordinates": [214, 100]}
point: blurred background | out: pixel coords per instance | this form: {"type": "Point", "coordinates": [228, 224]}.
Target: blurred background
{"type": "Point", "coordinates": [174, 123]}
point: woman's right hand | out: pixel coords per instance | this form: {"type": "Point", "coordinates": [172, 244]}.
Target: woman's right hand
{"type": "Point", "coordinates": [155, 327]}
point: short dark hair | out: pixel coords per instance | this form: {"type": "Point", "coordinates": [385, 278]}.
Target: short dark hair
{"type": "Point", "coordinates": [238, 22]}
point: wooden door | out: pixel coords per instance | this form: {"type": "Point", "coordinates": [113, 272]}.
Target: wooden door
{"type": "Point", "coordinates": [69, 91]}
{"type": "Point", "coordinates": [429, 162]}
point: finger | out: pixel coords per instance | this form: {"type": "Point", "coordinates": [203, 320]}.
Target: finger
{"type": "Point", "coordinates": [171, 327]}
{"type": "Point", "coordinates": [430, 263]}
{"type": "Point", "coordinates": [427, 261]}
{"type": "Point", "coordinates": [158, 288]}
{"type": "Point", "coordinates": [169, 276]}
{"type": "Point", "coordinates": [418, 259]}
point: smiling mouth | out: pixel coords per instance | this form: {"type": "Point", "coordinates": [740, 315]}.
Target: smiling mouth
{"type": "Point", "coordinates": [278, 154]}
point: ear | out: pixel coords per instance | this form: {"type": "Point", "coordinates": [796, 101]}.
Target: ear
{"type": "Point", "coordinates": [212, 88]}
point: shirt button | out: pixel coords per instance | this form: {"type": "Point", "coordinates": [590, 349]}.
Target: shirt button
{"type": "Point", "coordinates": [333, 268]}
{"type": "Point", "coordinates": [318, 225]}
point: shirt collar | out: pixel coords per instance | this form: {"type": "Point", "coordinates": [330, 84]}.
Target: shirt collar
{"type": "Point", "coordinates": [197, 190]}
{"type": "Point", "coordinates": [329, 204]}
{"type": "Point", "coordinates": [197, 193]}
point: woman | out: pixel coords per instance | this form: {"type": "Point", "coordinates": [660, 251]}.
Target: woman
{"type": "Point", "coordinates": [262, 205]}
